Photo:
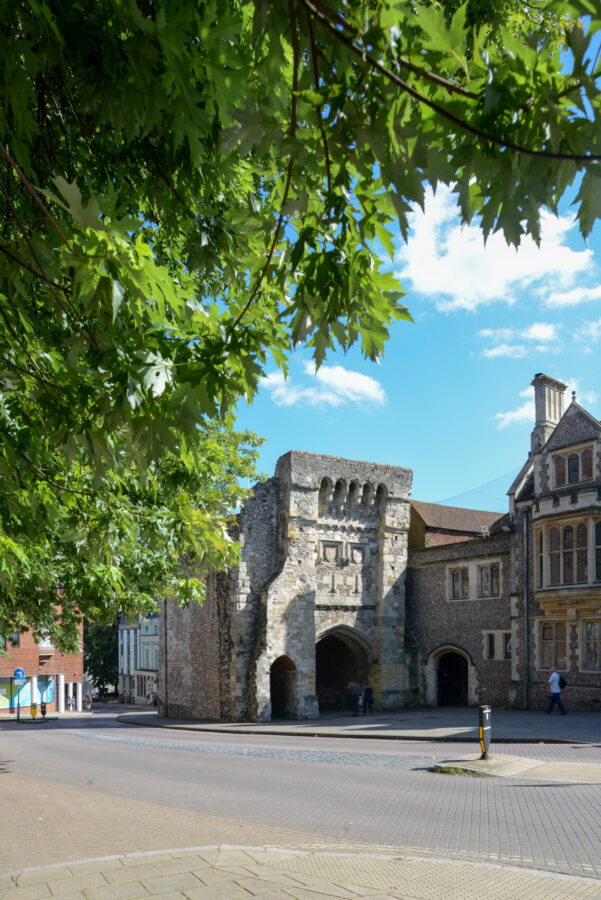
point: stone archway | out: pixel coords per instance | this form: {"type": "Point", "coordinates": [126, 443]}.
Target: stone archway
{"type": "Point", "coordinates": [340, 657]}
{"type": "Point", "coordinates": [282, 689]}
{"type": "Point", "coordinates": [450, 678]}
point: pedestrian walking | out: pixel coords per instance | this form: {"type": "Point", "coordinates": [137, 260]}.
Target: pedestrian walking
{"type": "Point", "coordinates": [88, 701]}
{"type": "Point", "coordinates": [368, 699]}
{"type": "Point", "coordinates": [554, 682]}
{"type": "Point", "coordinates": [355, 691]}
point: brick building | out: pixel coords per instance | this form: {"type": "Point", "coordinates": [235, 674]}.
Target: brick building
{"type": "Point", "coordinates": [342, 577]}
{"type": "Point", "coordinates": [51, 676]}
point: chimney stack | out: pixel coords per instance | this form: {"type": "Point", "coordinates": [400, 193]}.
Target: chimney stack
{"type": "Point", "coordinates": [548, 403]}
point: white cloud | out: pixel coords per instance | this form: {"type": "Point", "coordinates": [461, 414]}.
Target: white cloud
{"type": "Point", "coordinates": [538, 331]}
{"type": "Point", "coordinates": [574, 297]}
{"type": "Point", "coordinates": [525, 412]}
{"type": "Point", "coordinates": [328, 386]}
{"type": "Point", "coordinates": [452, 264]}
{"type": "Point", "coordinates": [589, 331]}
{"type": "Point", "coordinates": [515, 351]}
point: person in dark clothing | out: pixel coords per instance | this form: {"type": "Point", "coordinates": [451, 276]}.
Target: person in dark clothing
{"type": "Point", "coordinates": [368, 699]}
{"type": "Point", "coordinates": [355, 691]}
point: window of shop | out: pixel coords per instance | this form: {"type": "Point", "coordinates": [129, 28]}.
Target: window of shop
{"type": "Point", "coordinates": [598, 551]}
{"type": "Point", "coordinates": [553, 645]}
{"type": "Point", "coordinates": [592, 645]}
{"type": "Point", "coordinates": [488, 581]}
{"type": "Point", "coordinates": [460, 584]}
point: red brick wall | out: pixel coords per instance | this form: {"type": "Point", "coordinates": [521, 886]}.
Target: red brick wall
{"type": "Point", "coordinates": [36, 661]}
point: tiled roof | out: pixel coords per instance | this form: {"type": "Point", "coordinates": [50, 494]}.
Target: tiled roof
{"type": "Point", "coordinates": [440, 539]}
{"type": "Point", "coordinates": [453, 518]}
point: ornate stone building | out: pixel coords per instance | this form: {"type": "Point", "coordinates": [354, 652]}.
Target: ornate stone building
{"type": "Point", "coordinates": [318, 599]}
{"type": "Point", "coordinates": [341, 577]}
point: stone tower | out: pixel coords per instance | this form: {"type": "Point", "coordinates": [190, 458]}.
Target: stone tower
{"type": "Point", "coordinates": [318, 598]}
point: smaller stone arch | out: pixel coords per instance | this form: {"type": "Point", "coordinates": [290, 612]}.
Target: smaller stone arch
{"type": "Point", "coordinates": [354, 496]}
{"type": "Point", "coordinates": [381, 499]}
{"type": "Point", "coordinates": [283, 689]}
{"type": "Point", "coordinates": [367, 500]}
{"type": "Point", "coordinates": [326, 491]}
{"type": "Point", "coordinates": [462, 670]}
{"type": "Point", "coordinates": [339, 499]}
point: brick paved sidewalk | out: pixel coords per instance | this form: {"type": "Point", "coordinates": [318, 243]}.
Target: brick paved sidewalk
{"type": "Point", "coordinates": [77, 844]}
{"type": "Point", "coordinates": [237, 872]}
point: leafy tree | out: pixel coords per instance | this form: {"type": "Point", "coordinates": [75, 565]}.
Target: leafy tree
{"type": "Point", "coordinates": [101, 647]}
{"type": "Point", "coordinates": [191, 188]}
{"type": "Point", "coordinates": [102, 544]}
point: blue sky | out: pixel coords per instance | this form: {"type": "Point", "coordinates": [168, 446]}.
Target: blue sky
{"type": "Point", "coordinates": [451, 397]}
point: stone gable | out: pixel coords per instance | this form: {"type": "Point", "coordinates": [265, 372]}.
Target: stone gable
{"type": "Point", "coordinates": [574, 428]}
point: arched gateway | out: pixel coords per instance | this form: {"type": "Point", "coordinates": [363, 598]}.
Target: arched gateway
{"type": "Point", "coordinates": [341, 656]}
{"type": "Point", "coordinates": [282, 685]}
{"type": "Point", "coordinates": [450, 678]}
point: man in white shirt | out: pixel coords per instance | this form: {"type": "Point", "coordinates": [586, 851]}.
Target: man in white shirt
{"type": "Point", "coordinates": [555, 693]}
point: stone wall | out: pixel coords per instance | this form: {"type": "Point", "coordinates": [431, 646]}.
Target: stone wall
{"type": "Point", "coordinates": [438, 624]}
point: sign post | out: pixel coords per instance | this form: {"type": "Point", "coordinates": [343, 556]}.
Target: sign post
{"type": "Point", "coordinates": [19, 680]}
{"type": "Point", "coordinates": [485, 730]}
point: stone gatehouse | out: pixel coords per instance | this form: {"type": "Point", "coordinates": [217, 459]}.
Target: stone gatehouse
{"type": "Point", "coordinates": [342, 577]}
{"type": "Point", "coordinates": [317, 600]}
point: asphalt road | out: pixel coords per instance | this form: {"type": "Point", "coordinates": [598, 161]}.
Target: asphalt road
{"type": "Point", "coordinates": [379, 792]}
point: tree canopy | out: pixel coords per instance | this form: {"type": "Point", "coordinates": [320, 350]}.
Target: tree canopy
{"type": "Point", "coordinates": [101, 653]}
{"type": "Point", "coordinates": [191, 188]}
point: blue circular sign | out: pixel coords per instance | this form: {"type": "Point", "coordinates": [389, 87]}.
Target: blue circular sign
{"type": "Point", "coordinates": [18, 673]}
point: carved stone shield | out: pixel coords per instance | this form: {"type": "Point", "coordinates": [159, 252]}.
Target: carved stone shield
{"type": "Point", "coordinates": [330, 553]}
{"type": "Point", "coordinates": [357, 554]}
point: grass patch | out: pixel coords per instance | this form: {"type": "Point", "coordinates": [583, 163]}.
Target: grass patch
{"type": "Point", "coordinates": [457, 770]}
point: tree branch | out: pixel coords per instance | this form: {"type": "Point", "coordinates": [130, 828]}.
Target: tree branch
{"type": "Point", "coordinates": [84, 333]}
{"type": "Point", "coordinates": [460, 123]}
{"type": "Point", "coordinates": [33, 193]}
{"type": "Point", "coordinates": [324, 138]}
{"type": "Point", "coordinates": [280, 221]}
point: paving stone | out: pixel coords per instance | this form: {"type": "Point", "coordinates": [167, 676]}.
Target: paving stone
{"type": "Point", "coordinates": [129, 890]}
{"type": "Point", "coordinates": [256, 886]}
{"type": "Point", "coordinates": [138, 859]}
{"type": "Point", "coordinates": [96, 865]}
{"type": "Point", "coordinates": [133, 873]}
{"type": "Point", "coordinates": [27, 892]}
{"type": "Point", "coordinates": [193, 862]}
{"type": "Point", "coordinates": [226, 891]}
{"type": "Point", "coordinates": [165, 883]}
{"type": "Point", "coordinates": [39, 875]}
{"type": "Point", "coordinates": [74, 883]}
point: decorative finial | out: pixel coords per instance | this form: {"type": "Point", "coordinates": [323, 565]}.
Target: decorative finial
{"type": "Point", "coordinates": [573, 396]}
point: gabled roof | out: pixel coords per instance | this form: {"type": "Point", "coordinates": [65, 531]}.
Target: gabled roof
{"type": "Point", "coordinates": [454, 518]}
{"type": "Point", "coordinates": [575, 425]}
{"type": "Point", "coordinates": [522, 476]}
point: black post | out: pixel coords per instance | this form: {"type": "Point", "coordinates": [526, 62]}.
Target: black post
{"type": "Point", "coordinates": [18, 706]}
{"type": "Point", "coordinates": [485, 729]}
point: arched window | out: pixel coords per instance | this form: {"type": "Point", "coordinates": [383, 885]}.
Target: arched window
{"type": "Point", "coordinates": [554, 545]}
{"type": "Point", "coordinates": [540, 558]}
{"type": "Point", "coordinates": [573, 468]}
{"type": "Point", "coordinates": [568, 555]}
{"type": "Point", "coordinates": [560, 470]}
{"type": "Point", "coordinates": [587, 464]}
{"type": "Point", "coordinates": [581, 552]}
